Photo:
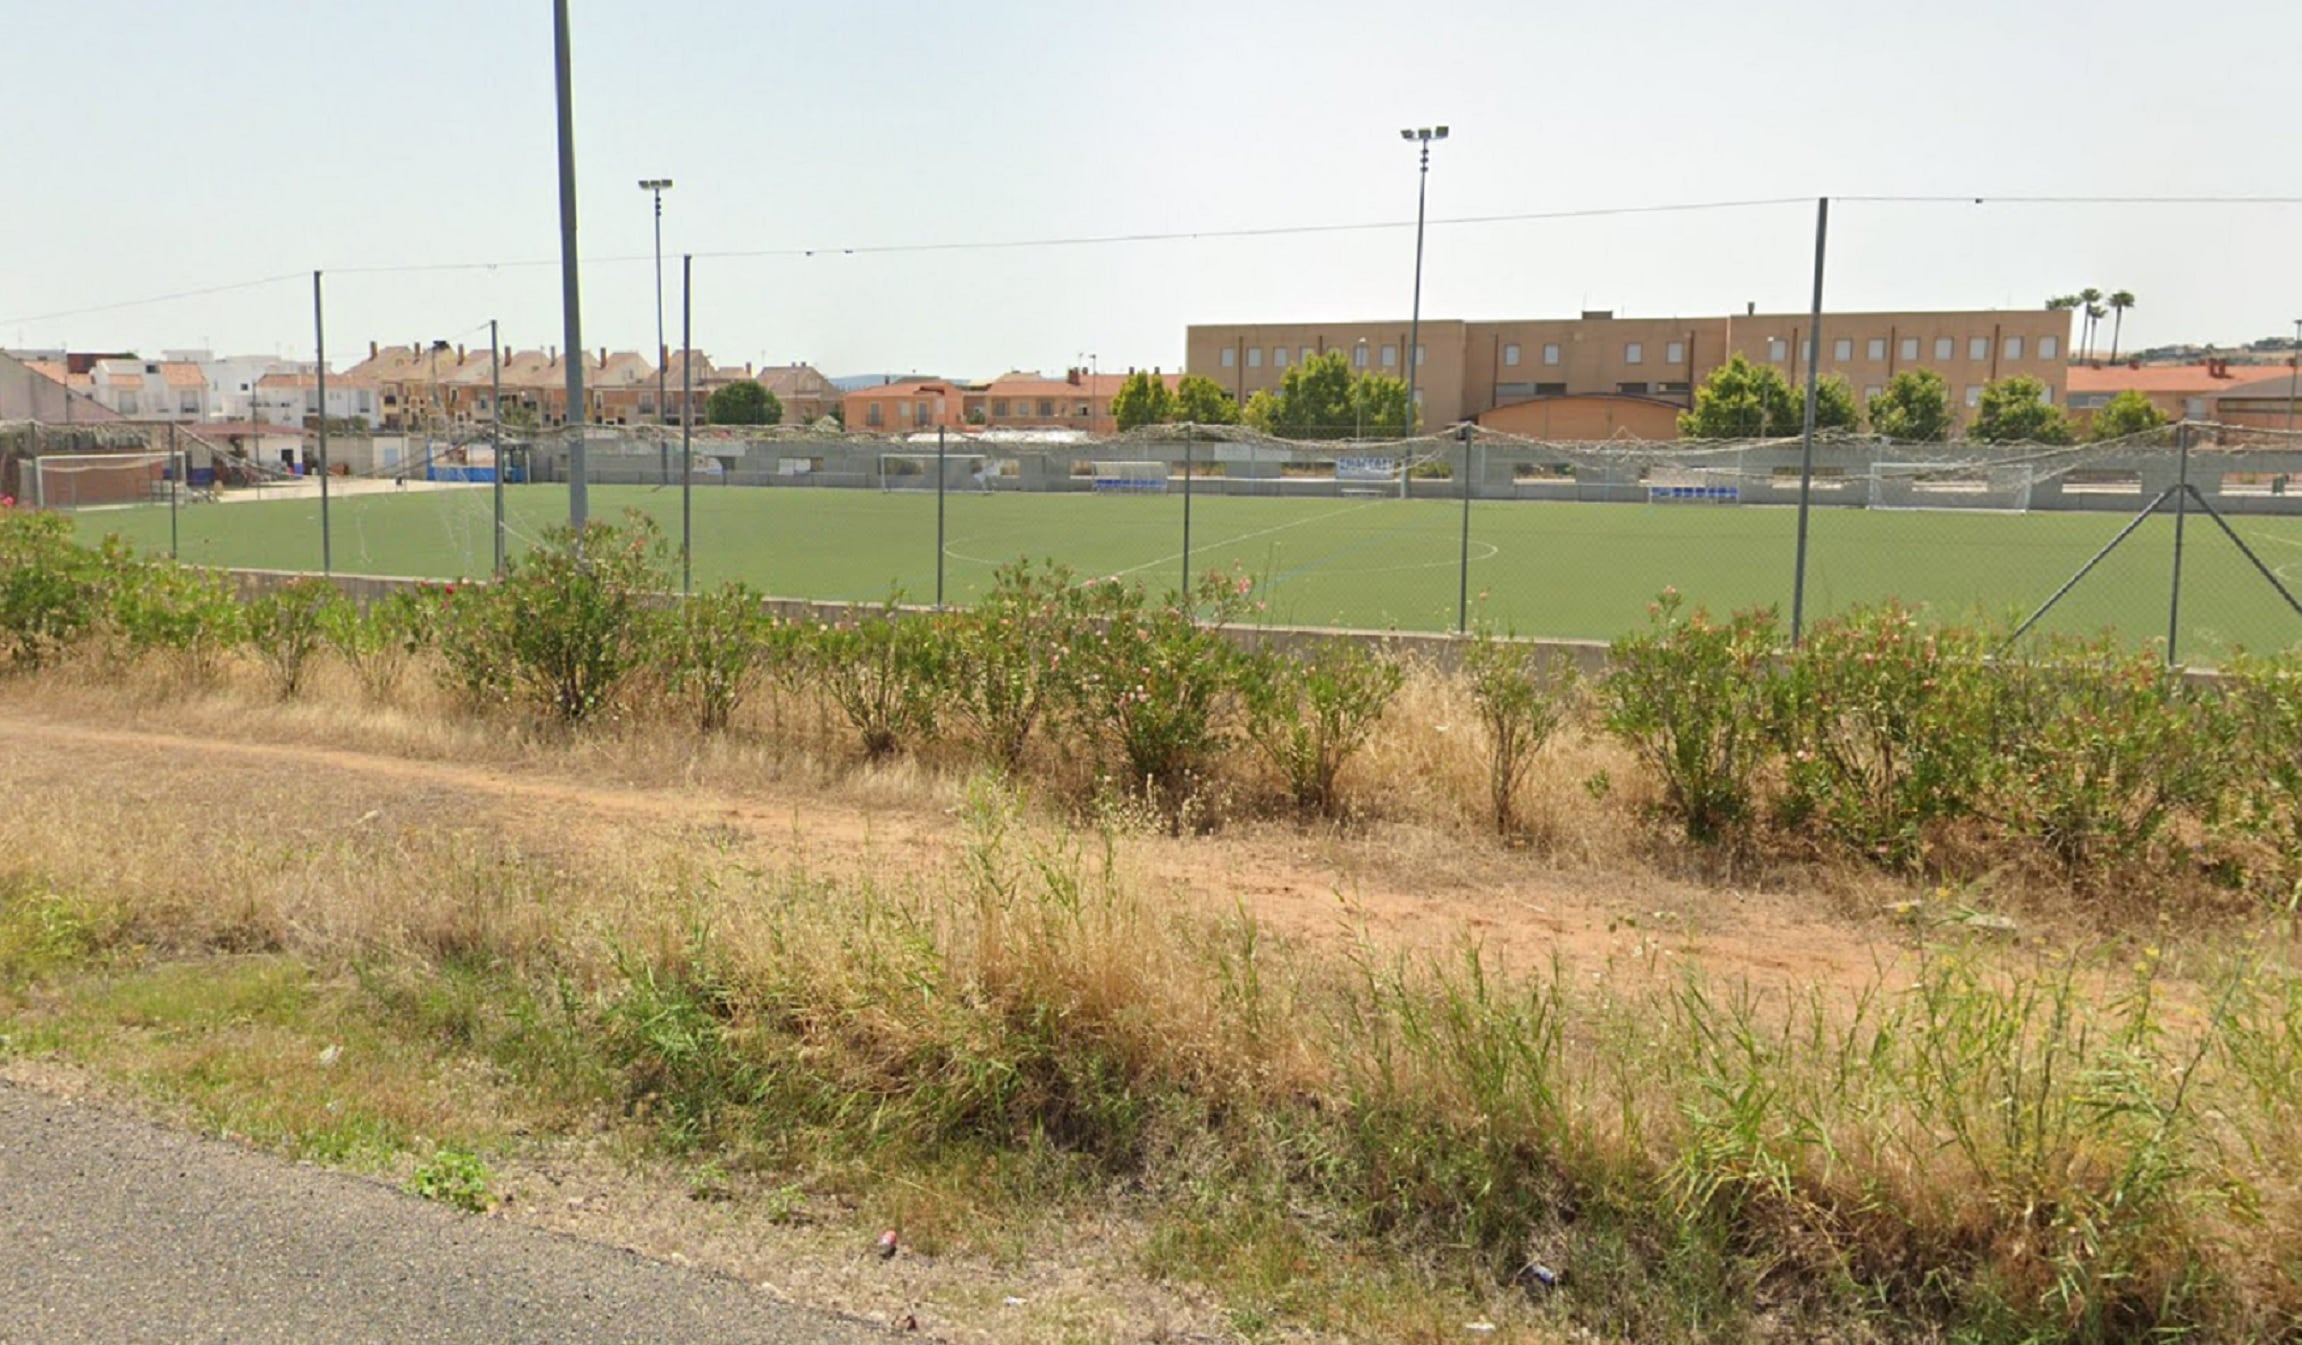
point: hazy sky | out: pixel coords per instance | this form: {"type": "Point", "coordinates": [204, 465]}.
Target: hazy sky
{"type": "Point", "coordinates": [193, 143]}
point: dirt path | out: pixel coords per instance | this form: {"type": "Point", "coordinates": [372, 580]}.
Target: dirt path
{"type": "Point", "coordinates": [1427, 897]}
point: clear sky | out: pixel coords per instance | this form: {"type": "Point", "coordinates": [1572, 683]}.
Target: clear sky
{"type": "Point", "coordinates": [176, 145]}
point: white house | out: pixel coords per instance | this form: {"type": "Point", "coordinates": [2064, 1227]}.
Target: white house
{"type": "Point", "coordinates": [232, 378]}
{"type": "Point", "coordinates": [151, 389]}
{"type": "Point", "coordinates": [292, 398]}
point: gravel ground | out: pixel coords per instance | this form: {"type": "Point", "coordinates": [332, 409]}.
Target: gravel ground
{"type": "Point", "coordinates": [112, 1229]}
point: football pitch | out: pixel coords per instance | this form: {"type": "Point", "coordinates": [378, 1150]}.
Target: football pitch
{"type": "Point", "coordinates": [1535, 568]}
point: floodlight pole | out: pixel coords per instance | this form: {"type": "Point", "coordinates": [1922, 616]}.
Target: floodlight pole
{"type": "Point", "coordinates": [1806, 445]}
{"type": "Point", "coordinates": [940, 473]}
{"type": "Point", "coordinates": [686, 422]}
{"type": "Point", "coordinates": [658, 186]}
{"type": "Point", "coordinates": [571, 301]}
{"type": "Point", "coordinates": [1424, 136]}
{"type": "Point", "coordinates": [2294, 381]}
{"type": "Point", "coordinates": [320, 364]}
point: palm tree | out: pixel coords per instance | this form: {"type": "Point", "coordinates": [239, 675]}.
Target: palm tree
{"type": "Point", "coordinates": [2119, 303]}
{"type": "Point", "coordinates": [2089, 298]}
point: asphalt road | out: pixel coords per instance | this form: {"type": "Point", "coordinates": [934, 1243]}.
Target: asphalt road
{"type": "Point", "coordinates": [115, 1230]}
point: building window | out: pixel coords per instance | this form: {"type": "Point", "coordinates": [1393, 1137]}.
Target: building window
{"type": "Point", "coordinates": [998, 407]}
{"type": "Point", "coordinates": [1942, 347]}
{"type": "Point", "coordinates": [1978, 347]}
{"type": "Point", "coordinates": [1675, 352]}
{"type": "Point", "coordinates": [2048, 347]}
{"type": "Point", "coordinates": [871, 415]}
{"type": "Point", "coordinates": [1842, 348]}
{"type": "Point", "coordinates": [1873, 393]}
{"type": "Point", "coordinates": [2014, 347]}
{"type": "Point", "coordinates": [1876, 348]}
{"type": "Point", "coordinates": [2046, 394]}
{"type": "Point", "coordinates": [1278, 357]}
{"type": "Point", "coordinates": [1359, 356]}
{"type": "Point", "coordinates": [1910, 347]}
{"type": "Point", "coordinates": [1307, 355]}
{"type": "Point", "coordinates": [1390, 357]}
{"type": "Point", "coordinates": [1230, 356]}
{"type": "Point", "coordinates": [188, 404]}
{"type": "Point", "coordinates": [1631, 389]}
{"type": "Point", "coordinates": [1511, 355]}
{"type": "Point", "coordinates": [1550, 389]}
{"type": "Point", "coordinates": [1418, 354]}
{"type": "Point", "coordinates": [1973, 395]}
{"type": "Point", "coordinates": [1672, 389]}
{"type": "Point", "coordinates": [1046, 410]}
{"type": "Point", "coordinates": [1634, 353]}
{"type": "Point", "coordinates": [1254, 357]}
{"type": "Point", "coordinates": [1551, 353]}
{"type": "Point", "coordinates": [1776, 348]}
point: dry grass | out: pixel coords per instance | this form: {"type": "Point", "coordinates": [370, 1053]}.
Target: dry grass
{"type": "Point", "coordinates": [2004, 1144]}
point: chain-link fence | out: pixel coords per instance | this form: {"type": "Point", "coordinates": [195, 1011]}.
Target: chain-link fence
{"type": "Point", "coordinates": [2187, 534]}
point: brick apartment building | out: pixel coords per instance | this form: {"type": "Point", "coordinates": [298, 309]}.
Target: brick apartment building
{"type": "Point", "coordinates": [1599, 375]}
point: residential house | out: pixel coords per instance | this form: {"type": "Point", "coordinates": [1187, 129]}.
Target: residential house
{"type": "Point", "coordinates": [907, 407]}
{"type": "Point", "coordinates": [285, 399]}
{"type": "Point", "coordinates": [1079, 400]}
{"type": "Point", "coordinates": [47, 390]}
{"type": "Point", "coordinates": [807, 396]}
{"type": "Point", "coordinates": [2179, 391]}
{"type": "Point", "coordinates": [140, 389]}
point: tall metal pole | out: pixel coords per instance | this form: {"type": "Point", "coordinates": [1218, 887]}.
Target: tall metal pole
{"type": "Point", "coordinates": [2294, 381]}
{"type": "Point", "coordinates": [686, 424]}
{"type": "Point", "coordinates": [1187, 438]}
{"type": "Point", "coordinates": [320, 349]}
{"type": "Point", "coordinates": [175, 488]}
{"type": "Point", "coordinates": [1463, 585]}
{"type": "Point", "coordinates": [571, 301]}
{"type": "Point", "coordinates": [1806, 447]}
{"type": "Point", "coordinates": [662, 412]}
{"type": "Point", "coordinates": [1415, 314]}
{"type": "Point", "coordinates": [939, 480]}
{"type": "Point", "coordinates": [496, 432]}
{"type": "Point", "coordinates": [2181, 515]}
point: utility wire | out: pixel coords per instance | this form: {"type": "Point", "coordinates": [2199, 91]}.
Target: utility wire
{"type": "Point", "coordinates": [1186, 235]}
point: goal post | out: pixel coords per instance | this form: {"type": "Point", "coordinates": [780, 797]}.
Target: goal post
{"type": "Point", "coordinates": [70, 481]}
{"type": "Point", "coordinates": [1951, 485]}
{"type": "Point", "coordinates": [1130, 478]}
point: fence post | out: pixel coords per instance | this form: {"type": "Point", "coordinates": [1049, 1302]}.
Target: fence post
{"type": "Point", "coordinates": [2181, 513]}
{"type": "Point", "coordinates": [939, 479]}
{"type": "Point", "coordinates": [686, 423]}
{"type": "Point", "coordinates": [176, 475]}
{"type": "Point", "coordinates": [320, 365]}
{"type": "Point", "coordinates": [1463, 571]}
{"type": "Point", "coordinates": [1806, 449]}
{"type": "Point", "coordinates": [1187, 438]}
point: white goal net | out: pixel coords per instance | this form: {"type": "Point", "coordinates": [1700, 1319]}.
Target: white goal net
{"type": "Point", "coordinates": [103, 480]}
{"type": "Point", "coordinates": [1951, 485]}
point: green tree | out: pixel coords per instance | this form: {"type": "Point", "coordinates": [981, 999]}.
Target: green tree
{"type": "Point", "coordinates": [1914, 408]}
{"type": "Point", "coordinates": [1834, 405]}
{"type": "Point", "coordinates": [1200, 400]}
{"type": "Point", "coordinates": [1320, 398]}
{"type": "Point", "coordinates": [2127, 413]}
{"type": "Point", "coordinates": [1379, 406]}
{"type": "Point", "coordinates": [744, 403]}
{"type": "Point", "coordinates": [2119, 303]}
{"type": "Point", "coordinates": [2015, 411]}
{"type": "Point", "coordinates": [1741, 400]}
{"type": "Point", "coordinates": [1142, 400]}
